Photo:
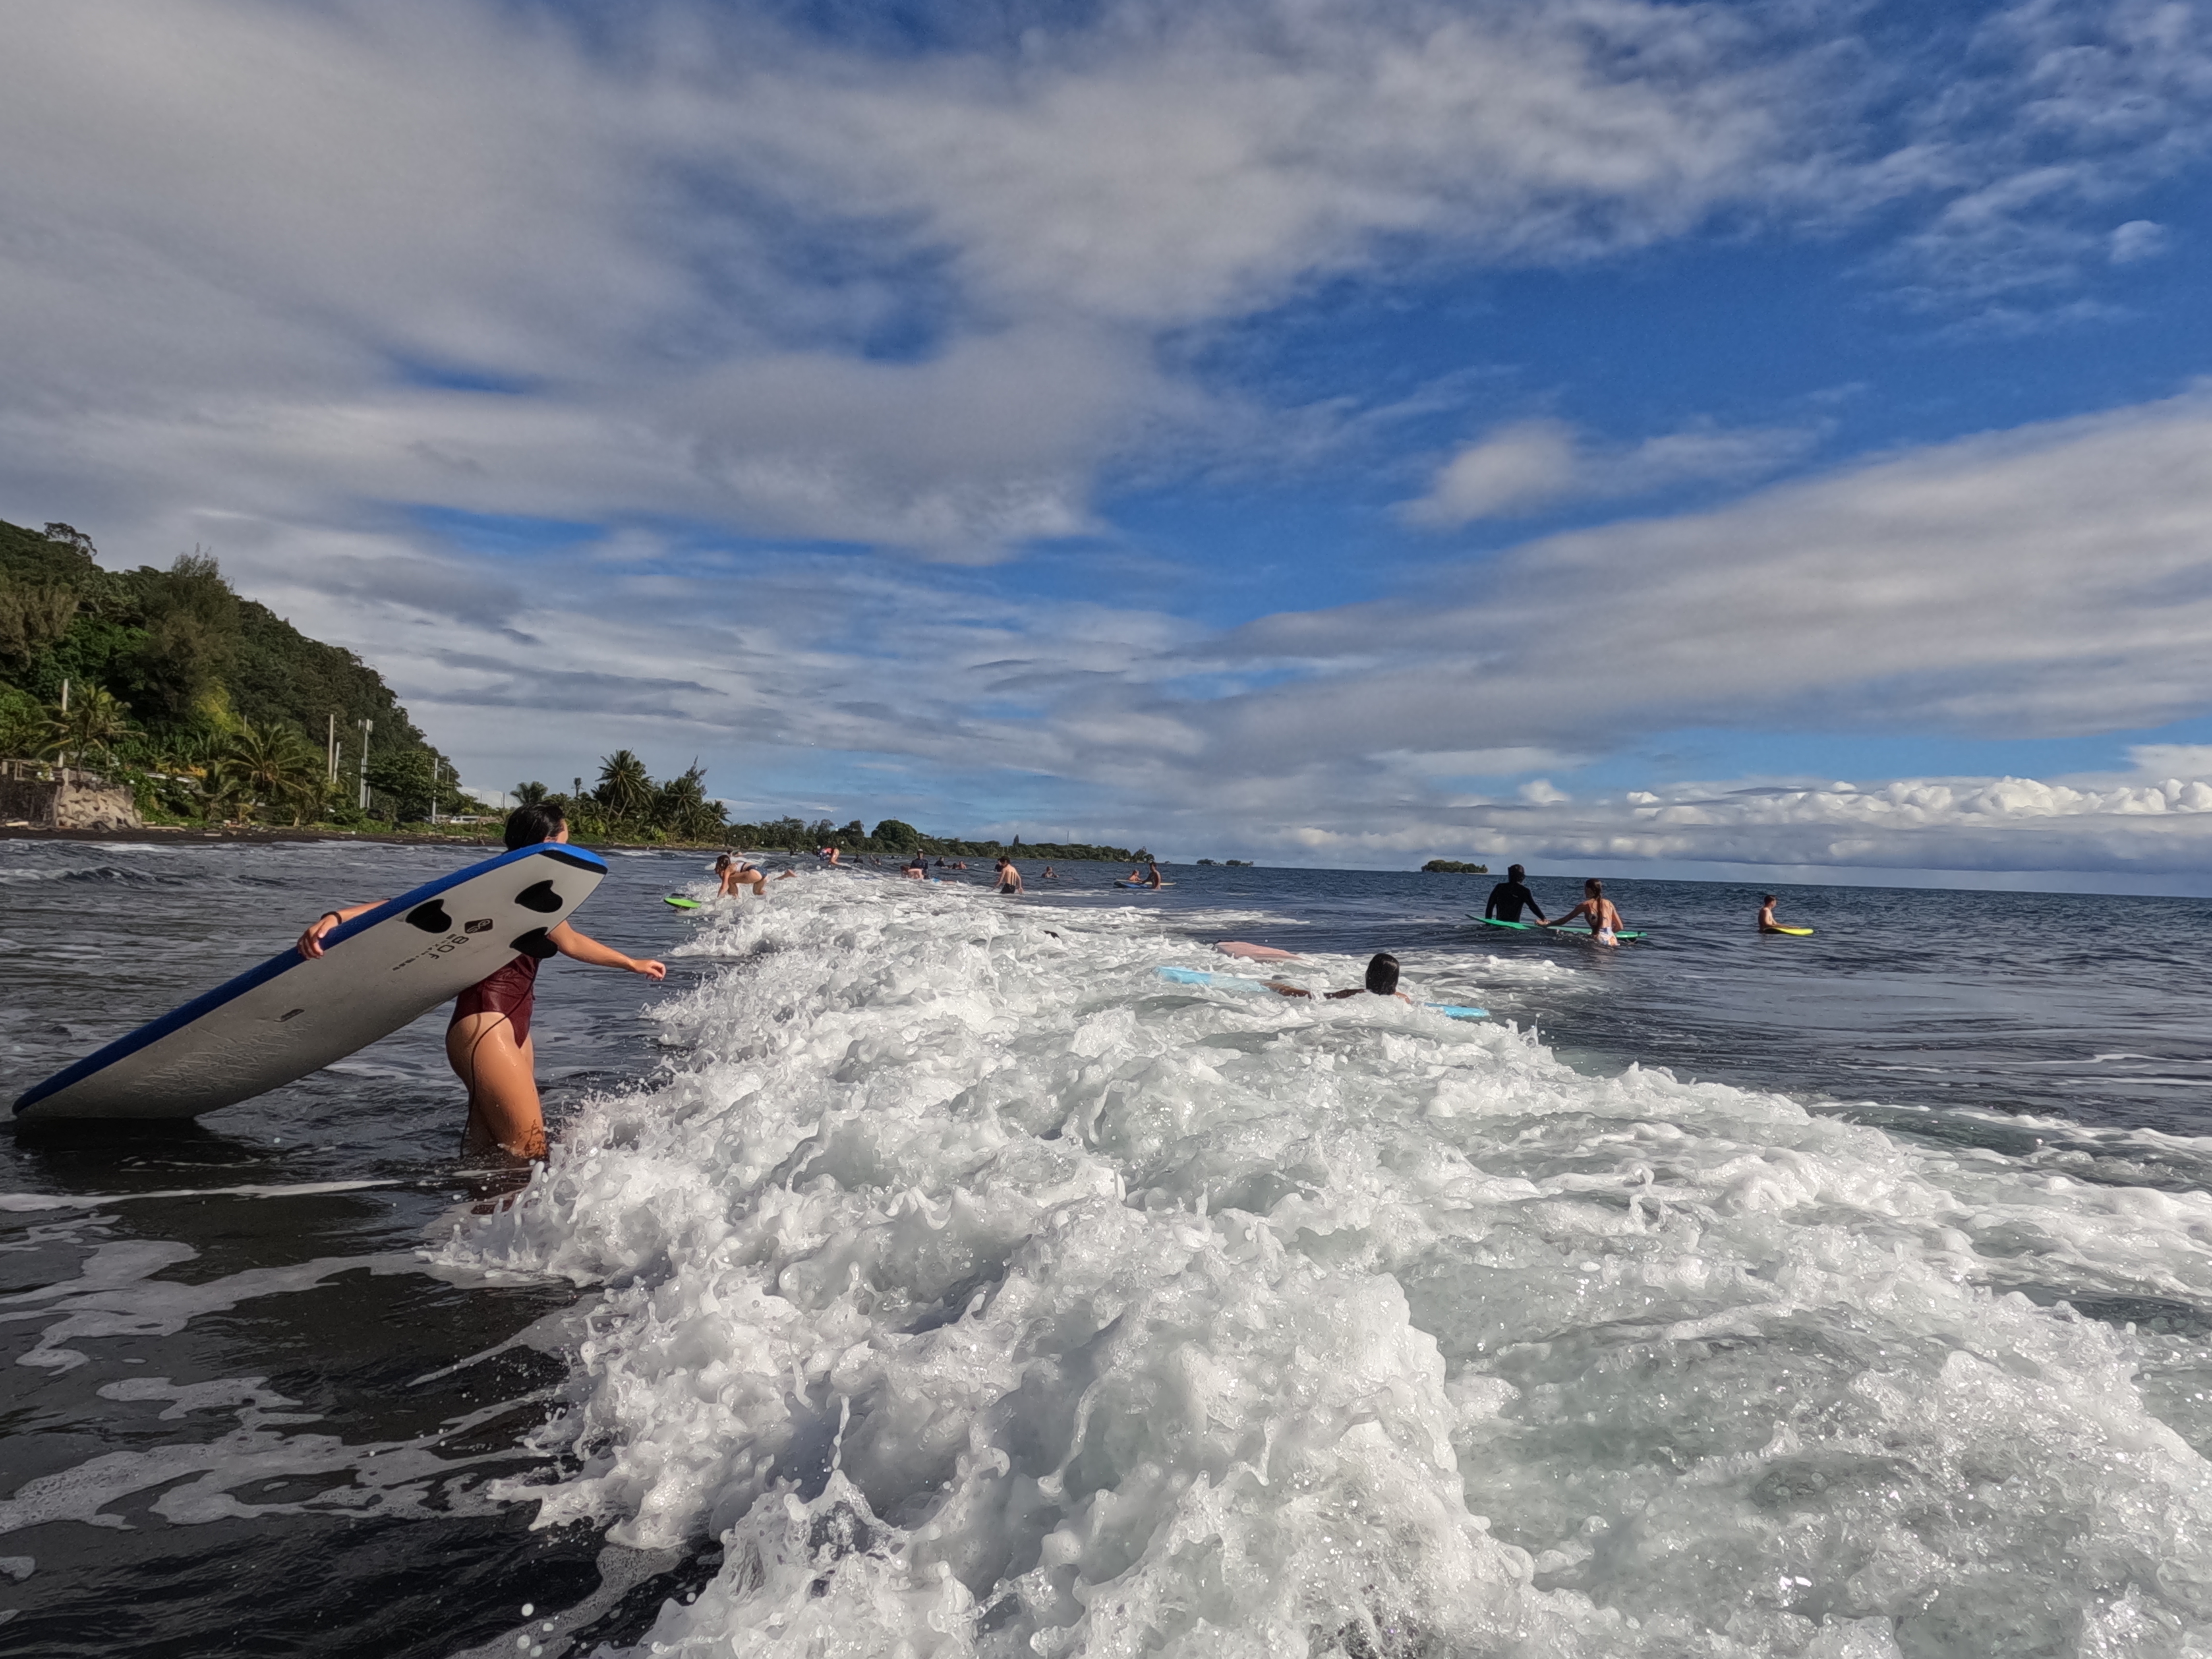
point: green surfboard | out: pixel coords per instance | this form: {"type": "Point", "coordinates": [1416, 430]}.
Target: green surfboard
{"type": "Point", "coordinates": [1539, 927]}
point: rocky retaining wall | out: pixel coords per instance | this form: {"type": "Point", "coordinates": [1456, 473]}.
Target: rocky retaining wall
{"type": "Point", "coordinates": [68, 800]}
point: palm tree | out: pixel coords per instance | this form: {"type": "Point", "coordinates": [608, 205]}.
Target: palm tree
{"type": "Point", "coordinates": [681, 806]}
{"type": "Point", "coordinates": [625, 787]}
{"type": "Point", "coordinates": [92, 724]}
{"type": "Point", "coordinates": [271, 764]}
{"type": "Point", "coordinates": [531, 794]}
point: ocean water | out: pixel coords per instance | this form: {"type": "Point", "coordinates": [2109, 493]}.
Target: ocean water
{"type": "Point", "coordinates": [919, 1273]}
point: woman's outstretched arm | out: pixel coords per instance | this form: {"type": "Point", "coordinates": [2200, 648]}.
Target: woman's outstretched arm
{"type": "Point", "coordinates": [584, 948]}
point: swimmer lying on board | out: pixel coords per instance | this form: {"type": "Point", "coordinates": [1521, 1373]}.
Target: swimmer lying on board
{"type": "Point", "coordinates": [1382, 982]}
{"type": "Point", "coordinates": [487, 1044]}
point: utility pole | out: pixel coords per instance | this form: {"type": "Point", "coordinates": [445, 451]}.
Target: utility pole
{"type": "Point", "coordinates": [331, 750]}
{"type": "Point", "coordinates": [367, 727]}
{"type": "Point", "coordinates": [437, 773]}
{"type": "Point", "coordinates": [65, 696]}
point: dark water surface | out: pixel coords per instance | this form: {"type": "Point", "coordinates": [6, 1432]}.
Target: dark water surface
{"type": "Point", "coordinates": [241, 1414]}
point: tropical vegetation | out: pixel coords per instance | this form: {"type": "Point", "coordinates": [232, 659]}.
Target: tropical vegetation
{"type": "Point", "coordinates": [1454, 867]}
{"type": "Point", "coordinates": [209, 706]}
{"type": "Point", "coordinates": [627, 804]}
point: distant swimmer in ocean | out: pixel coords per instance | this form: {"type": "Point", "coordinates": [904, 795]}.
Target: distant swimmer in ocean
{"type": "Point", "coordinates": [734, 873]}
{"type": "Point", "coordinates": [487, 1044]}
{"type": "Point", "coordinates": [917, 868]}
{"type": "Point", "coordinates": [1767, 924]}
{"type": "Point", "coordinates": [1049, 874]}
{"type": "Point", "coordinates": [1603, 913]}
{"type": "Point", "coordinates": [1151, 878]}
{"type": "Point", "coordinates": [1382, 982]}
{"type": "Point", "coordinates": [1511, 896]}
{"type": "Point", "coordinates": [1009, 879]}
{"type": "Point", "coordinates": [829, 854]}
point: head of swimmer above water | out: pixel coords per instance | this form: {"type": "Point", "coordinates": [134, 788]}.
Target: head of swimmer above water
{"type": "Point", "coordinates": [1382, 975]}
{"type": "Point", "coordinates": [526, 826]}
{"type": "Point", "coordinates": [1593, 888]}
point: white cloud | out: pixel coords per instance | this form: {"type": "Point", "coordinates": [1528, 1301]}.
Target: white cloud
{"type": "Point", "coordinates": [2137, 239]}
{"type": "Point", "coordinates": [1531, 464]}
{"type": "Point", "coordinates": [1515, 469]}
{"type": "Point", "coordinates": [2055, 580]}
{"type": "Point", "coordinates": [687, 254]}
{"type": "Point", "coordinates": [728, 270]}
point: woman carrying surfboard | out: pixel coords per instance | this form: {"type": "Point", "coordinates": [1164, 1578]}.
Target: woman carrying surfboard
{"type": "Point", "coordinates": [487, 1044]}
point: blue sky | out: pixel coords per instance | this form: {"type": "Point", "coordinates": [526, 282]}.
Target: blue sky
{"type": "Point", "coordinates": [1675, 436]}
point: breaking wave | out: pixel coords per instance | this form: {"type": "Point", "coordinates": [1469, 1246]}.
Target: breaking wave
{"type": "Point", "coordinates": [983, 1293]}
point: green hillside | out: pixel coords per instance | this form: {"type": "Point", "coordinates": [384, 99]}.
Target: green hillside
{"type": "Point", "coordinates": [208, 703]}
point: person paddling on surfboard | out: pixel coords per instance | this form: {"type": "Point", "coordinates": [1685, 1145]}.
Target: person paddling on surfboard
{"type": "Point", "coordinates": [1604, 914]}
{"type": "Point", "coordinates": [487, 1044]}
{"type": "Point", "coordinates": [1511, 896]}
{"type": "Point", "coordinates": [1382, 982]}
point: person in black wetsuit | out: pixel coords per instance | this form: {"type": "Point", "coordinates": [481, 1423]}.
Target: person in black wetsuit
{"type": "Point", "coordinates": [1511, 896]}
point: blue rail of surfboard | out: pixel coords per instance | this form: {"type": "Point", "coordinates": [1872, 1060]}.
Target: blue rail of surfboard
{"type": "Point", "coordinates": [177, 1019]}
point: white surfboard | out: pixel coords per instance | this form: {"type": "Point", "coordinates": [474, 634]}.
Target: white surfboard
{"type": "Point", "coordinates": [292, 1016]}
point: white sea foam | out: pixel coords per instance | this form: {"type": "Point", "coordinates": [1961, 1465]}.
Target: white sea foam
{"type": "Point", "coordinates": [984, 1294]}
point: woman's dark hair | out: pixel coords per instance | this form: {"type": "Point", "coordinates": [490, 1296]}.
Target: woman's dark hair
{"type": "Point", "coordinates": [1594, 887]}
{"type": "Point", "coordinates": [1766, 898]}
{"type": "Point", "coordinates": [528, 825]}
{"type": "Point", "coordinates": [1382, 974]}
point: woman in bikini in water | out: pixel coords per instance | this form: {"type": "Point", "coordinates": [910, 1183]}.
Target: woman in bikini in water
{"type": "Point", "coordinates": [487, 1044]}
{"type": "Point", "coordinates": [1604, 914]}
